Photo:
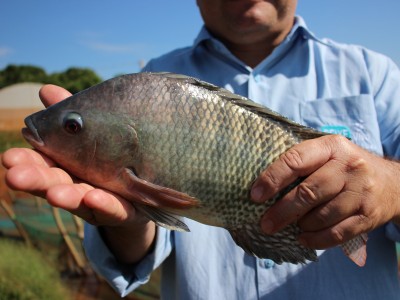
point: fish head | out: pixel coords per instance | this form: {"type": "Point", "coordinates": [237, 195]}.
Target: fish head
{"type": "Point", "coordinates": [96, 140]}
{"type": "Point", "coordinates": [89, 141]}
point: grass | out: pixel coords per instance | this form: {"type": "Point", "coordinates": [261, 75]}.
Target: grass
{"type": "Point", "coordinates": [27, 275]}
{"type": "Point", "coordinates": [10, 139]}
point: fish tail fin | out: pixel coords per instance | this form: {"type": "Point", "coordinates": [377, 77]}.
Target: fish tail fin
{"type": "Point", "coordinates": [356, 249]}
{"type": "Point", "coordinates": [280, 247]}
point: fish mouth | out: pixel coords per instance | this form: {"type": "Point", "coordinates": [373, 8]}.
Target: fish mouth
{"type": "Point", "coordinates": [31, 134]}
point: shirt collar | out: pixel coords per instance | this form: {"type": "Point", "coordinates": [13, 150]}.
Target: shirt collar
{"type": "Point", "coordinates": [299, 28]}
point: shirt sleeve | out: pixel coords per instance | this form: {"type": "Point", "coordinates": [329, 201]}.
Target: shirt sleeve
{"type": "Point", "coordinates": [124, 278]}
{"type": "Point", "coordinates": [385, 81]}
{"type": "Point", "coordinates": [393, 232]}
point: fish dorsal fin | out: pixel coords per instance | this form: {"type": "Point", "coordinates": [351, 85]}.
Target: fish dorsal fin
{"type": "Point", "coordinates": [302, 131]}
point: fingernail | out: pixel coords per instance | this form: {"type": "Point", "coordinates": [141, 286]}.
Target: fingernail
{"type": "Point", "coordinates": [267, 226]}
{"type": "Point", "coordinates": [257, 193]}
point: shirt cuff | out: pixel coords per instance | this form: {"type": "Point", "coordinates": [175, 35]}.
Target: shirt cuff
{"type": "Point", "coordinates": [393, 232]}
{"type": "Point", "coordinates": [124, 278]}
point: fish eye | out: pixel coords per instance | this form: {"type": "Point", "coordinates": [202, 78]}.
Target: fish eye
{"type": "Point", "coordinates": [73, 123]}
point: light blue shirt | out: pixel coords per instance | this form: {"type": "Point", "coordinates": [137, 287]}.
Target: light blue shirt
{"type": "Point", "coordinates": [317, 82]}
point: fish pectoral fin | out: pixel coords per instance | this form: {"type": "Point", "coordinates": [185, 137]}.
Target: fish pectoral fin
{"type": "Point", "coordinates": [356, 249]}
{"type": "Point", "coordinates": [280, 247]}
{"type": "Point", "coordinates": [163, 218]}
{"type": "Point", "coordinates": [154, 195]}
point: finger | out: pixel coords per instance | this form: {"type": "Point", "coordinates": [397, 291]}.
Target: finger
{"type": "Point", "coordinates": [69, 197]}
{"type": "Point", "coordinates": [109, 208]}
{"type": "Point", "coordinates": [314, 191]}
{"type": "Point", "coordinates": [299, 161]}
{"type": "Point", "coordinates": [35, 179]}
{"type": "Point", "coordinates": [356, 197]}
{"type": "Point", "coordinates": [51, 94]}
{"type": "Point", "coordinates": [331, 213]}
{"type": "Point", "coordinates": [25, 156]}
{"type": "Point", "coordinates": [96, 206]}
{"type": "Point", "coordinates": [336, 235]}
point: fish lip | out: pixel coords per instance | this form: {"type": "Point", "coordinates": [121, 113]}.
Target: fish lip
{"type": "Point", "coordinates": [31, 134]}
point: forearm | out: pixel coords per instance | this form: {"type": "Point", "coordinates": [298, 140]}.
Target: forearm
{"type": "Point", "coordinates": [129, 244]}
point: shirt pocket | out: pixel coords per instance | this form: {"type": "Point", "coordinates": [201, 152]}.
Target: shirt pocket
{"type": "Point", "coordinates": [353, 116]}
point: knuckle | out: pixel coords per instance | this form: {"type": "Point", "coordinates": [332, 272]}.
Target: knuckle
{"type": "Point", "coordinates": [338, 236]}
{"type": "Point", "coordinates": [337, 145]}
{"type": "Point", "coordinates": [323, 216]}
{"type": "Point", "coordinates": [292, 158]}
{"type": "Point", "coordinates": [356, 164]}
{"type": "Point", "coordinates": [364, 220]}
{"type": "Point", "coordinates": [339, 139]}
{"type": "Point", "coordinates": [368, 186]}
{"type": "Point", "coordinates": [270, 179]}
{"type": "Point", "coordinates": [336, 140]}
{"type": "Point", "coordinates": [305, 195]}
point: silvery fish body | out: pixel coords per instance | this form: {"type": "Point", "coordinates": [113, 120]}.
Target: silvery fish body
{"type": "Point", "coordinates": [174, 145]}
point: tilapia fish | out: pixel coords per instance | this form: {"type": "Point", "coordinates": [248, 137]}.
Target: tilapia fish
{"type": "Point", "coordinates": [177, 146]}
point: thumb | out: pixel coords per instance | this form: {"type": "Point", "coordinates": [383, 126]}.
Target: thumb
{"type": "Point", "coordinates": [51, 94]}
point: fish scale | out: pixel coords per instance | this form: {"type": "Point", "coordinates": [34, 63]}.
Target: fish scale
{"type": "Point", "coordinates": [228, 200]}
{"type": "Point", "coordinates": [177, 146]}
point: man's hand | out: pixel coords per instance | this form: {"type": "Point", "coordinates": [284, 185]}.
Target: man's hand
{"type": "Point", "coordinates": [346, 191]}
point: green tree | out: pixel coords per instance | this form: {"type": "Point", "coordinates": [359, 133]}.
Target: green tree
{"type": "Point", "coordinates": [25, 73]}
{"type": "Point", "coordinates": [75, 79]}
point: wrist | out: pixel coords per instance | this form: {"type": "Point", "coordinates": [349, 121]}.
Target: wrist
{"type": "Point", "coordinates": [129, 243]}
{"type": "Point", "coordinates": [396, 221]}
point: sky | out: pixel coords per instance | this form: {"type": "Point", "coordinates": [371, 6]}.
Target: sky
{"type": "Point", "coordinates": [115, 37]}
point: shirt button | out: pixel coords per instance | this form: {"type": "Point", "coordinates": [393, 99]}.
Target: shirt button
{"type": "Point", "coordinates": [267, 263]}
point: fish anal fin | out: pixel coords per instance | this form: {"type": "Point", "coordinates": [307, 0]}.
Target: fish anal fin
{"type": "Point", "coordinates": [356, 249]}
{"type": "Point", "coordinates": [280, 247]}
{"type": "Point", "coordinates": [154, 195]}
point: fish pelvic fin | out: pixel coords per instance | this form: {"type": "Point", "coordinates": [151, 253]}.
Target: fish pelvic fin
{"type": "Point", "coordinates": [280, 247]}
{"type": "Point", "coordinates": [154, 195]}
{"type": "Point", "coordinates": [356, 249]}
{"type": "Point", "coordinates": [163, 218]}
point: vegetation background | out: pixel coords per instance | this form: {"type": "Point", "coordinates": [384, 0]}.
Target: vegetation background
{"type": "Point", "coordinates": [73, 79]}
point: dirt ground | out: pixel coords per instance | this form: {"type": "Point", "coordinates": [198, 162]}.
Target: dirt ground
{"type": "Point", "coordinates": [13, 119]}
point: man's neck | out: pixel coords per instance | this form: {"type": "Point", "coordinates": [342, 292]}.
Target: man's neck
{"type": "Point", "coordinates": [251, 54]}
{"type": "Point", "coordinates": [254, 52]}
